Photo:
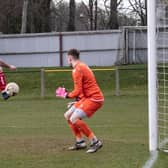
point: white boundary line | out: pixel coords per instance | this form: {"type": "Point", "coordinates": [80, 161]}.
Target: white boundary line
{"type": "Point", "coordinates": [152, 159]}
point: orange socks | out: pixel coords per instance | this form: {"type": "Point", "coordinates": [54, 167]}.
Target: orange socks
{"type": "Point", "coordinates": [75, 131]}
{"type": "Point", "coordinates": [85, 129]}
{"type": "Point", "coordinates": [79, 128]}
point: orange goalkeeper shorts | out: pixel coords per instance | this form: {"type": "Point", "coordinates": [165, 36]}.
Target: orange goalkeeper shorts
{"type": "Point", "coordinates": [88, 106]}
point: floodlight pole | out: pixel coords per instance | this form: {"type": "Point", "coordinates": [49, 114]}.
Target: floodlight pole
{"type": "Point", "coordinates": [152, 76]}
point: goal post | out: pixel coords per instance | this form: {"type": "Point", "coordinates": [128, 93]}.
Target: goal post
{"type": "Point", "coordinates": [158, 74]}
{"type": "Point", "coordinates": [152, 76]}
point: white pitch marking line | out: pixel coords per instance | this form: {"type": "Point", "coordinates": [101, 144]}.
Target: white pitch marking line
{"type": "Point", "coordinates": [152, 159]}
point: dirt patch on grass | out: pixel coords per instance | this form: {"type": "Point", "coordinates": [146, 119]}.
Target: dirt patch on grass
{"type": "Point", "coordinates": [33, 145]}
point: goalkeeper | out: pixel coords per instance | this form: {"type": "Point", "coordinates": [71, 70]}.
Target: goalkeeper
{"type": "Point", "coordinates": [90, 99]}
{"type": "Point", "coordinates": [3, 78]}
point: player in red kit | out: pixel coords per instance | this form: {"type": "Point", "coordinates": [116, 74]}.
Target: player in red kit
{"type": "Point", "coordinates": [90, 99]}
{"type": "Point", "coordinates": [3, 78]}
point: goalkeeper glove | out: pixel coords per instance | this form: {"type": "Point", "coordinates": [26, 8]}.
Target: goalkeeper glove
{"type": "Point", "coordinates": [61, 92]}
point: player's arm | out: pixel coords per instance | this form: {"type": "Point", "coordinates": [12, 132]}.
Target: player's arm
{"type": "Point", "coordinates": [5, 65]}
{"type": "Point", "coordinates": [77, 92]}
{"type": "Point", "coordinates": [3, 79]}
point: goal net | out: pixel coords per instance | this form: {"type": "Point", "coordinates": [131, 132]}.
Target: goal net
{"type": "Point", "coordinates": [162, 71]}
{"type": "Point", "coordinates": [132, 45]}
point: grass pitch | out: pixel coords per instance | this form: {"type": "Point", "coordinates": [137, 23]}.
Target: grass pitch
{"type": "Point", "coordinates": [34, 134]}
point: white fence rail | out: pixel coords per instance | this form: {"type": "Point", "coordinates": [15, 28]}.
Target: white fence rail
{"type": "Point", "coordinates": [98, 48]}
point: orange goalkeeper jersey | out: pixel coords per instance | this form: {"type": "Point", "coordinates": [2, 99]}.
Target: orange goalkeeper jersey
{"type": "Point", "coordinates": [85, 85]}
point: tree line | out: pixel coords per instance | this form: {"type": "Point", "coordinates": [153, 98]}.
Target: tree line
{"type": "Point", "coordinates": [36, 16]}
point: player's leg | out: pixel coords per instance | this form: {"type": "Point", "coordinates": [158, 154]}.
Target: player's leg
{"type": "Point", "coordinates": [86, 108]}
{"type": "Point", "coordinates": [3, 85]}
{"type": "Point", "coordinates": [95, 144]}
{"type": "Point", "coordinates": [80, 143]}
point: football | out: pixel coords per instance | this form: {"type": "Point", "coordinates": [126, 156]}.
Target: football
{"type": "Point", "coordinates": [12, 89]}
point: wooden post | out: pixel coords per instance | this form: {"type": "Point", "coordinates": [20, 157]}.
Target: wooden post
{"type": "Point", "coordinates": [117, 82]}
{"type": "Point", "coordinates": [42, 83]}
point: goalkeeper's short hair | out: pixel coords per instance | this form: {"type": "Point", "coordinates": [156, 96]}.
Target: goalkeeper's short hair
{"type": "Point", "coordinates": [74, 52]}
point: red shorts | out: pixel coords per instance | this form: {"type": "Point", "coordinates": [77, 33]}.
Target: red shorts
{"type": "Point", "coordinates": [88, 106]}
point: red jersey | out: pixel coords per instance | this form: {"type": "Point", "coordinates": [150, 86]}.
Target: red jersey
{"type": "Point", "coordinates": [2, 81]}
{"type": "Point", "coordinates": [85, 85]}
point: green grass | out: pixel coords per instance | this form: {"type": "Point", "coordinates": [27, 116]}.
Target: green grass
{"type": "Point", "coordinates": [34, 134]}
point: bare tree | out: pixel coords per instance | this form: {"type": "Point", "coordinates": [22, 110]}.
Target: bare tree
{"type": "Point", "coordinates": [45, 11]}
{"type": "Point", "coordinates": [139, 8]}
{"type": "Point", "coordinates": [91, 14]}
{"type": "Point", "coordinates": [10, 16]}
{"type": "Point", "coordinates": [59, 16]}
{"type": "Point", "coordinates": [39, 16]}
{"type": "Point", "coordinates": [24, 16]}
{"type": "Point", "coordinates": [96, 13]}
{"type": "Point", "coordinates": [69, 16]}
{"type": "Point", "coordinates": [72, 11]}
{"type": "Point", "coordinates": [113, 18]}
